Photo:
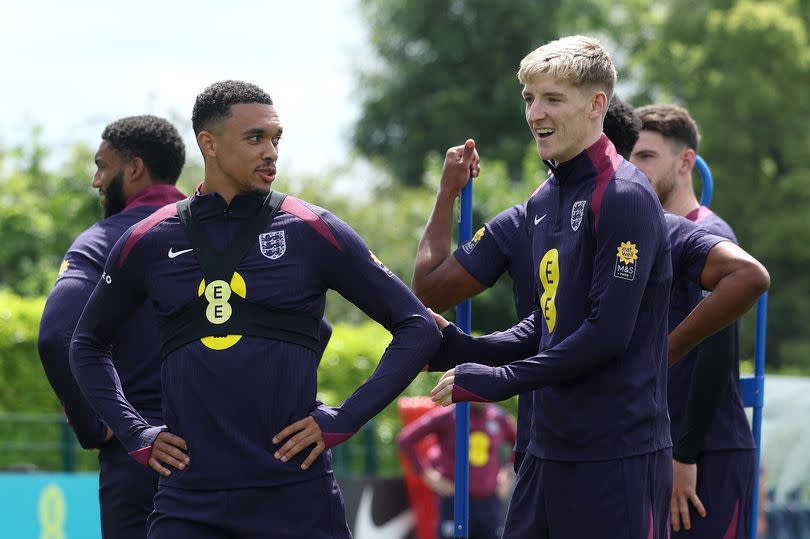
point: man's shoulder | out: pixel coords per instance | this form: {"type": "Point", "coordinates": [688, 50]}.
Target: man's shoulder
{"type": "Point", "coordinates": [716, 225]}
{"type": "Point", "coordinates": [509, 221]}
{"type": "Point", "coordinates": [150, 230]}
{"type": "Point", "coordinates": [513, 215]}
{"type": "Point", "coordinates": [315, 220]}
{"type": "Point", "coordinates": [96, 241]}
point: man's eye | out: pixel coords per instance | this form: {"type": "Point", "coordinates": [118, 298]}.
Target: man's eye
{"type": "Point", "coordinates": [276, 141]}
{"type": "Point", "coordinates": [254, 138]}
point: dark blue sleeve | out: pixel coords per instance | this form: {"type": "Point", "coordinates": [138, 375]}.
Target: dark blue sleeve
{"type": "Point", "coordinates": [631, 225]}
{"type": "Point", "coordinates": [495, 349]}
{"type": "Point", "coordinates": [354, 272]}
{"type": "Point", "coordinates": [690, 245]}
{"type": "Point", "coordinates": [119, 292]}
{"type": "Point", "coordinates": [486, 256]}
{"type": "Point", "coordinates": [62, 311]}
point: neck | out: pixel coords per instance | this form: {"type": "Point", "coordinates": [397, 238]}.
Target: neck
{"type": "Point", "coordinates": [682, 200]}
{"type": "Point", "coordinates": [215, 182]}
{"type": "Point", "coordinates": [591, 139]}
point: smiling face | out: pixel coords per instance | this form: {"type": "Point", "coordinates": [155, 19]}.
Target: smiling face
{"type": "Point", "coordinates": [242, 150]}
{"type": "Point", "coordinates": [564, 119]}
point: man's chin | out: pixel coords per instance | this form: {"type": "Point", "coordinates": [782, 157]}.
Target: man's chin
{"type": "Point", "coordinates": [259, 189]}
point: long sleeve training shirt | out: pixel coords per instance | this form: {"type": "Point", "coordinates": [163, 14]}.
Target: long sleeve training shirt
{"type": "Point", "coordinates": [227, 396]}
{"type": "Point", "coordinates": [597, 346]}
{"type": "Point", "coordinates": [136, 351]}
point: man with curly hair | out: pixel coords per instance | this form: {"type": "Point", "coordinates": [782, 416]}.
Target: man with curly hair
{"type": "Point", "coordinates": [240, 297]}
{"type": "Point", "coordinates": [138, 162]}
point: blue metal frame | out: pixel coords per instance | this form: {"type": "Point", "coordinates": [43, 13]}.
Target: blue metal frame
{"type": "Point", "coordinates": [461, 498]}
{"type": "Point", "coordinates": [752, 391]}
{"type": "Point", "coordinates": [708, 182]}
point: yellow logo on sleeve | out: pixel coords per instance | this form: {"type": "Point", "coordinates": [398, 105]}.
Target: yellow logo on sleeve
{"type": "Point", "coordinates": [550, 279]}
{"type": "Point", "coordinates": [626, 256]}
{"type": "Point", "coordinates": [64, 267]}
{"type": "Point", "coordinates": [380, 263]}
{"type": "Point", "coordinates": [470, 245]}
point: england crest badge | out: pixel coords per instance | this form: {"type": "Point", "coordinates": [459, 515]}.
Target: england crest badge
{"type": "Point", "coordinates": [273, 244]}
{"type": "Point", "coordinates": [577, 211]}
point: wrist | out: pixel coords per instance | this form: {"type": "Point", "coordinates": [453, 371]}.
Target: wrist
{"type": "Point", "coordinates": [446, 196]}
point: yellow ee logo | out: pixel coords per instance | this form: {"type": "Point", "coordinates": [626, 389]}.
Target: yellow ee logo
{"type": "Point", "coordinates": [550, 279]}
{"type": "Point", "coordinates": [52, 513]}
{"type": "Point", "coordinates": [219, 310]}
{"type": "Point", "coordinates": [479, 449]}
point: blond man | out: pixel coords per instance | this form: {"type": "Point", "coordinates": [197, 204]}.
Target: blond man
{"type": "Point", "coordinates": [595, 351]}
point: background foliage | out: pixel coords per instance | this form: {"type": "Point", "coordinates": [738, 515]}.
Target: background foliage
{"type": "Point", "coordinates": [445, 71]}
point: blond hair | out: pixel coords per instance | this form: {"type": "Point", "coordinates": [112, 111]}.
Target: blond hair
{"type": "Point", "coordinates": [579, 60]}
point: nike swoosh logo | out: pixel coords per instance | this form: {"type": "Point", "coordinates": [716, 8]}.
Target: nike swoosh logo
{"type": "Point", "coordinates": [173, 254]}
{"type": "Point", "coordinates": [364, 527]}
{"type": "Point", "coordinates": [538, 219]}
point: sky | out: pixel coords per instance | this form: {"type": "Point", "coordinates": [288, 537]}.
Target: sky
{"type": "Point", "coordinates": [73, 67]}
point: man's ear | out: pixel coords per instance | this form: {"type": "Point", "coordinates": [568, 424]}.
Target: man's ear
{"type": "Point", "coordinates": [599, 104]}
{"type": "Point", "coordinates": [207, 142]}
{"type": "Point", "coordinates": [134, 170]}
{"type": "Point", "coordinates": [687, 163]}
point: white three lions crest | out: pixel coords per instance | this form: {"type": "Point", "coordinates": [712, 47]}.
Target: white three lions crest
{"type": "Point", "coordinates": [273, 244]}
{"type": "Point", "coordinates": [577, 210]}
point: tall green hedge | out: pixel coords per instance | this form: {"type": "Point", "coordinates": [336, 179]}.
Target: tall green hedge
{"type": "Point", "coordinates": [350, 358]}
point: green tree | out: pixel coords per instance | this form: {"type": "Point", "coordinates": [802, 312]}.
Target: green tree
{"type": "Point", "coordinates": [391, 220]}
{"type": "Point", "coordinates": [41, 212]}
{"type": "Point", "coordinates": [742, 68]}
{"type": "Point", "coordinates": [446, 72]}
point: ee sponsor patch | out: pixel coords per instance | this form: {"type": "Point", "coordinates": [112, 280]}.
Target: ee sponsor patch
{"type": "Point", "coordinates": [626, 256]}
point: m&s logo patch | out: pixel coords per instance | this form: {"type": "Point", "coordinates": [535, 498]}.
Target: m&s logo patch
{"type": "Point", "coordinates": [626, 256]}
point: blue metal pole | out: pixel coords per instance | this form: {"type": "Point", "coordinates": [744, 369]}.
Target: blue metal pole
{"type": "Point", "coordinates": [461, 498]}
{"type": "Point", "coordinates": [759, 379]}
{"type": "Point", "coordinates": [708, 181]}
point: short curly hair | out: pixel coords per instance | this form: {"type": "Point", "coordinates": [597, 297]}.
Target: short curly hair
{"type": "Point", "coordinates": [671, 122]}
{"type": "Point", "coordinates": [214, 103]}
{"type": "Point", "coordinates": [622, 126]}
{"type": "Point", "coordinates": [153, 139]}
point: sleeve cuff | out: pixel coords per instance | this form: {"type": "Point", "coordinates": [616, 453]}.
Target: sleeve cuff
{"type": "Point", "coordinates": [471, 381]}
{"type": "Point", "coordinates": [443, 360]}
{"type": "Point", "coordinates": [324, 416]}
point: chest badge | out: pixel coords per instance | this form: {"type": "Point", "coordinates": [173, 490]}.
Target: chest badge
{"type": "Point", "coordinates": [273, 245]}
{"type": "Point", "coordinates": [577, 211]}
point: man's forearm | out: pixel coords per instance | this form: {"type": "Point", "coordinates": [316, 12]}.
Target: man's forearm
{"type": "Point", "coordinates": [434, 247]}
{"type": "Point", "coordinates": [731, 298]}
